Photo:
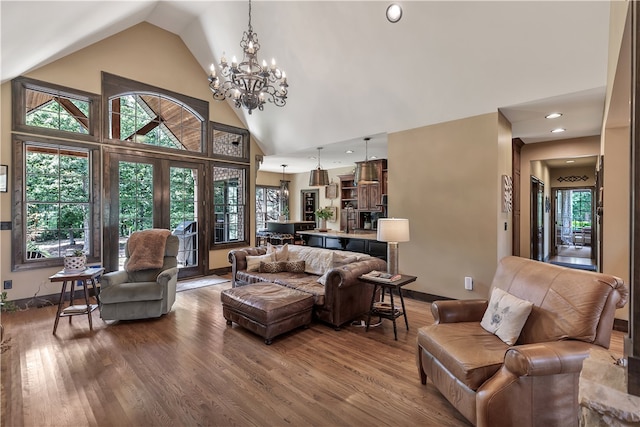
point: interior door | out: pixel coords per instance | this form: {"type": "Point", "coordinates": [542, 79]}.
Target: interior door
{"type": "Point", "coordinates": [537, 219]}
{"type": "Point", "coordinates": [148, 192]}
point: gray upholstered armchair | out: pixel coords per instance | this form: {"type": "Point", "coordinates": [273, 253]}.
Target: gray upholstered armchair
{"type": "Point", "coordinates": [147, 286]}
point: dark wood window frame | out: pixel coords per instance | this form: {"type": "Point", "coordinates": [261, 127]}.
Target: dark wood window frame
{"type": "Point", "coordinates": [247, 215]}
{"type": "Point", "coordinates": [19, 261]}
{"type": "Point", "coordinates": [113, 86]}
{"type": "Point", "coordinates": [19, 87]}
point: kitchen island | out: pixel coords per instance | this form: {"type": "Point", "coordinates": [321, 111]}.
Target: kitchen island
{"type": "Point", "coordinates": [360, 241]}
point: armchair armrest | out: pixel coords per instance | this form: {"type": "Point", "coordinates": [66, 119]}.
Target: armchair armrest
{"type": "Point", "coordinates": [453, 311]}
{"type": "Point", "coordinates": [548, 358]}
{"type": "Point", "coordinates": [113, 278]}
{"type": "Point", "coordinates": [165, 276]}
{"type": "Point", "coordinates": [238, 260]}
{"type": "Point", "coordinates": [347, 275]}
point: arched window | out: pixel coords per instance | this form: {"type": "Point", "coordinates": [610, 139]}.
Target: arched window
{"type": "Point", "coordinates": [142, 114]}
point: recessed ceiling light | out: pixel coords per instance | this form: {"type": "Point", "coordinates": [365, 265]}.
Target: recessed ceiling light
{"type": "Point", "coordinates": [558, 130]}
{"type": "Point", "coordinates": [571, 161]}
{"type": "Point", "coordinates": [553, 116]}
{"type": "Point", "coordinates": [394, 12]}
{"type": "Point", "coordinates": [349, 151]}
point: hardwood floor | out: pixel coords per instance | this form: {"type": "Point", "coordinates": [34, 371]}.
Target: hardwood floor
{"type": "Point", "coordinates": [189, 368]}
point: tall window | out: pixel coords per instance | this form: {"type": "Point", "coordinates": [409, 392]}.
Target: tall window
{"type": "Point", "coordinates": [229, 203]}
{"type": "Point", "coordinates": [267, 205]}
{"type": "Point", "coordinates": [56, 181]}
{"type": "Point", "coordinates": [57, 195]}
{"type": "Point", "coordinates": [59, 209]}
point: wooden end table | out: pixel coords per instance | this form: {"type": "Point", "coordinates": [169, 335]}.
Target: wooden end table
{"type": "Point", "coordinates": [85, 277]}
{"type": "Point", "coordinates": [392, 313]}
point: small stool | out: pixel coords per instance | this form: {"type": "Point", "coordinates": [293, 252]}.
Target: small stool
{"type": "Point", "coordinates": [280, 238]}
{"type": "Point", "coordinates": [262, 238]}
{"type": "Point", "coordinates": [267, 309]}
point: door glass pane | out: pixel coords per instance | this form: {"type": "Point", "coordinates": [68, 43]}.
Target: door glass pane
{"type": "Point", "coordinates": [135, 200]}
{"type": "Point", "coordinates": [183, 208]}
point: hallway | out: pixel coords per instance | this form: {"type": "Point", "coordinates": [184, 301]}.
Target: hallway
{"type": "Point", "coordinates": [574, 257]}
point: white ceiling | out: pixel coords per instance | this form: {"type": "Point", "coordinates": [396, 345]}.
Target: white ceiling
{"type": "Point", "coordinates": [352, 74]}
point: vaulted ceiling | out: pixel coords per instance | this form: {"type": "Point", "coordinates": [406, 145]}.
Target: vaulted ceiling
{"type": "Point", "coordinates": [353, 74]}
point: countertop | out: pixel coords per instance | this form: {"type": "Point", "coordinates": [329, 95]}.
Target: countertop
{"type": "Point", "coordinates": [341, 234]}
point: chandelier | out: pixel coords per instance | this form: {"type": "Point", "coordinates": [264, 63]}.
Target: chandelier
{"type": "Point", "coordinates": [248, 83]}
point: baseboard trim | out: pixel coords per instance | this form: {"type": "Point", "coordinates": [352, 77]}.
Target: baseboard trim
{"type": "Point", "coordinates": [422, 296]}
{"type": "Point", "coordinates": [46, 300]}
{"type": "Point", "coordinates": [621, 325]}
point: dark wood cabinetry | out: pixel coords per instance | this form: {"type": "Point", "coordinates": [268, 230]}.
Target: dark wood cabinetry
{"type": "Point", "coordinates": [369, 197]}
{"type": "Point", "coordinates": [359, 201]}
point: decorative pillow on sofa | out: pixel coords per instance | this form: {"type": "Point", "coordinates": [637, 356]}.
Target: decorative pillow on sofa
{"type": "Point", "coordinates": [506, 315]}
{"type": "Point", "coordinates": [294, 266]}
{"type": "Point", "coordinates": [253, 262]}
{"type": "Point", "coordinates": [282, 254]}
{"type": "Point", "coordinates": [272, 267]}
{"type": "Point", "coordinates": [280, 266]}
{"type": "Point", "coordinates": [337, 261]}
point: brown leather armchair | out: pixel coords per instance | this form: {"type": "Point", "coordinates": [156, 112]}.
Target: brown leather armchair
{"type": "Point", "coordinates": [535, 381]}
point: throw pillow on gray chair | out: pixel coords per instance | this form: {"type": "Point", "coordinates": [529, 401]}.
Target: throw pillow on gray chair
{"type": "Point", "coordinates": [146, 287]}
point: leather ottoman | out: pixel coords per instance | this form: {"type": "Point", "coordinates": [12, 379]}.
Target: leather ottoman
{"type": "Point", "coordinates": [267, 309]}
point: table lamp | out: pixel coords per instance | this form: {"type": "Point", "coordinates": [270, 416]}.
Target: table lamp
{"type": "Point", "coordinates": [392, 231]}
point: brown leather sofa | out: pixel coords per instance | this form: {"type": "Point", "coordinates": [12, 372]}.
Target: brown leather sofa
{"type": "Point", "coordinates": [535, 381]}
{"type": "Point", "coordinates": [340, 300]}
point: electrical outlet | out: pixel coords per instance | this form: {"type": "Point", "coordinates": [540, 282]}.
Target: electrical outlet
{"type": "Point", "coordinates": [8, 284]}
{"type": "Point", "coordinates": [468, 283]}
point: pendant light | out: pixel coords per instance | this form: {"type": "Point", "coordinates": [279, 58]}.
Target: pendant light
{"type": "Point", "coordinates": [318, 177]}
{"type": "Point", "coordinates": [366, 172]}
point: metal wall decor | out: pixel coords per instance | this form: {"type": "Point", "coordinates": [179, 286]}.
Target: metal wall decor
{"type": "Point", "coordinates": [507, 193]}
{"type": "Point", "coordinates": [572, 178]}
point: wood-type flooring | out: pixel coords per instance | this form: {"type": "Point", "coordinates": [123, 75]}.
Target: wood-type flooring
{"type": "Point", "coordinates": [188, 368]}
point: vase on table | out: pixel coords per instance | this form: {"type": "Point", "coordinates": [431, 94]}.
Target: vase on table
{"type": "Point", "coordinates": [322, 224]}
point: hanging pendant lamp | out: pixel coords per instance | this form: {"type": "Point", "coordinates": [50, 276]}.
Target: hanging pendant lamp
{"type": "Point", "coordinates": [318, 177]}
{"type": "Point", "coordinates": [366, 172]}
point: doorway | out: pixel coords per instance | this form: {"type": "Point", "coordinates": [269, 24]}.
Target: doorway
{"type": "Point", "coordinates": [537, 219]}
{"type": "Point", "coordinates": [149, 192]}
{"type": "Point", "coordinates": [573, 219]}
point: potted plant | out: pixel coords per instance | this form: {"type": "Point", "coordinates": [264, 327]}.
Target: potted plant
{"type": "Point", "coordinates": [75, 261]}
{"type": "Point", "coordinates": [284, 214]}
{"type": "Point", "coordinates": [323, 215]}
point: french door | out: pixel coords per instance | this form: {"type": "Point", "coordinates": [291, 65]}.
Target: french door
{"type": "Point", "coordinates": [151, 192]}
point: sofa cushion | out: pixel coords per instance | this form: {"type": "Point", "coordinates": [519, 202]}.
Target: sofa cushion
{"type": "Point", "coordinates": [253, 262]}
{"type": "Point", "coordinates": [505, 315]}
{"type": "Point", "coordinates": [307, 283]}
{"type": "Point", "coordinates": [465, 349]}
